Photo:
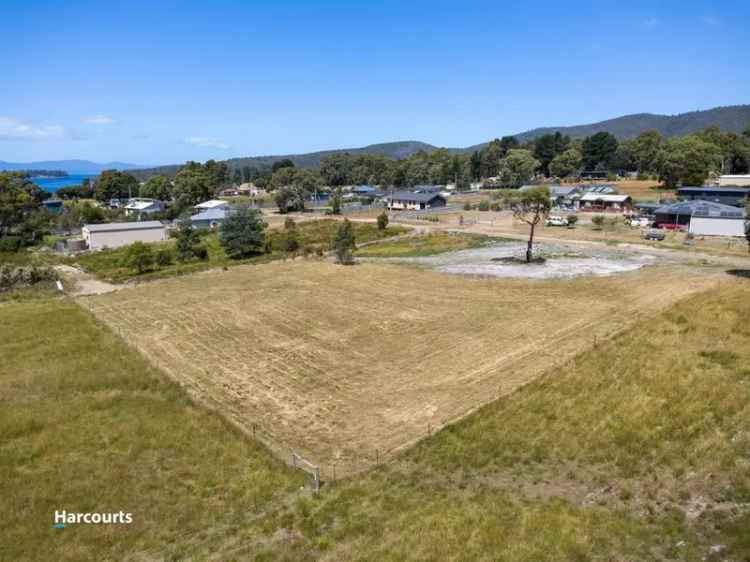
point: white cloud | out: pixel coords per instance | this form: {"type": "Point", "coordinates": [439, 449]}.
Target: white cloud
{"type": "Point", "coordinates": [712, 21]}
{"type": "Point", "coordinates": [206, 142]}
{"type": "Point", "coordinates": [99, 120]}
{"type": "Point", "coordinates": [13, 129]}
{"type": "Point", "coordinates": [649, 23]}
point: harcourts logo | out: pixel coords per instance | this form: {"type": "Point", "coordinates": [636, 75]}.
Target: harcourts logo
{"type": "Point", "coordinates": [63, 518]}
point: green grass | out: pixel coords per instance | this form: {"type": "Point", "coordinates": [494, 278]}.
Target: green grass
{"type": "Point", "coordinates": [599, 460]}
{"type": "Point", "coordinates": [87, 425]}
{"type": "Point", "coordinates": [427, 245]}
{"type": "Point", "coordinates": [109, 264]}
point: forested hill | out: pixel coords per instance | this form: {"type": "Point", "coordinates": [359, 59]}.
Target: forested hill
{"type": "Point", "coordinates": [734, 118]}
{"type": "Point", "coordinates": [731, 118]}
{"type": "Point", "coordinates": [396, 150]}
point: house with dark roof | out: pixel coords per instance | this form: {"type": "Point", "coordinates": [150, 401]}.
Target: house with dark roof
{"type": "Point", "coordinates": [210, 218]}
{"type": "Point", "coordinates": [736, 196]}
{"type": "Point", "coordinates": [702, 218]}
{"type": "Point", "coordinates": [415, 201]}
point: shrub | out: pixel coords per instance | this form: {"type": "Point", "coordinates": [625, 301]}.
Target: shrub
{"type": "Point", "coordinates": [484, 205]}
{"type": "Point", "coordinates": [10, 243]}
{"type": "Point", "coordinates": [344, 243]}
{"type": "Point", "coordinates": [572, 220]}
{"type": "Point", "coordinates": [12, 277]}
{"type": "Point", "coordinates": [164, 257]}
{"type": "Point", "coordinates": [598, 221]}
{"type": "Point", "coordinates": [467, 206]}
{"type": "Point", "coordinates": [494, 206]}
{"type": "Point", "coordinates": [382, 221]}
{"type": "Point", "coordinates": [139, 257]}
{"type": "Point", "coordinates": [291, 236]}
{"type": "Point", "coordinates": [200, 252]}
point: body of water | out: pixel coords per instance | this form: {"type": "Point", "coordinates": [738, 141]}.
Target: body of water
{"type": "Point", "coordinates": [53, 184]}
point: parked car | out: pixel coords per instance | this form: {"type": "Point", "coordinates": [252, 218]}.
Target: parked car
{"type": "Point", "coordinates": [555, 220]}
{"type": "Point", "coordinates": [640, 222]}
{"type": "Point", "coordinates": [654, 234]}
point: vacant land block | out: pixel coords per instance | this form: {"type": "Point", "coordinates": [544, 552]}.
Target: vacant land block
{"type": "Point", "coordinates": [350, 364]}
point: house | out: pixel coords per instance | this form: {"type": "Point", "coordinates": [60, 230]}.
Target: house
{"type": "Point", "coordinates": [593, 175]}
{"type": "Point", "coordinates": [735, 196]}
{"type": "Point", "coordinates": [142, 206]}
{"type": "Point", "coordinates": [363, 190]}
{"type": "Point", "coordinates": [414, 201]}
{"type": "Point", "coordinates": [561, 196]}
{"type": "Point", "coordinates": [246, 189]}
{"type": "Point", "coordinates": [53, 206]}
{"type": "Point", "coordinates": [116, 234]}
{"type": "Point", "coordinates": [210, 218]}
{"type": "Point", "coordinates": [703, 218]}
{"type": "Point", "coordinates": [606, 203]}
{"type": "Point", "coordinates": [211, 204]}
{"type": "Point", "coordinates": [603, 189]}
{"type": "Point", "coordinates": [742, 180]}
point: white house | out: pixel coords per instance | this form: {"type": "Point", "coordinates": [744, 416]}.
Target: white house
{"type": "Point", "coordinates": [139, 206]}
{"type": "Point", "coordinates": [414, 201]}
{"type": "Point", "coordinates": [734, 180]}
{"type": "Point", "coordinates": [116, 234]}
{"type": "Point", "coordinates": [211, 204]}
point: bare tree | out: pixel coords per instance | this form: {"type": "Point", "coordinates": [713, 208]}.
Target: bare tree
{"type": "Point", "coordinates": [532, 206]}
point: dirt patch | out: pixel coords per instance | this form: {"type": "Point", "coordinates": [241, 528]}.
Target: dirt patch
{"type": "Point", "coordinates": [349, 365]}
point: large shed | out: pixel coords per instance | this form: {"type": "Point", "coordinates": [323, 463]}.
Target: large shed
{"type": "Point", "coordinates": [116, 234]}
{"type": "Point", "coordinates": [735, 196]}
{"type": "Point", "coordinates": [703, 218]}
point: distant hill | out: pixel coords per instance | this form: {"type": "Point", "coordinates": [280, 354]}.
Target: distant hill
{"type": "Point", "coordinates": [396, 150]}
{"type": "Point", "coordinates": [733, 118]}
{"type": "Point", "coordinates": [730, 118]}
{"type": "Point", "coordinates": [69, 166]}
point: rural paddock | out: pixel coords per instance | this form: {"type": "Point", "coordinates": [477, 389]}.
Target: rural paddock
{"type": "Point", "coordinates": [347, 365]}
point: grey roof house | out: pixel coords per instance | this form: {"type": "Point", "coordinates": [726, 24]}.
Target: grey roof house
{"type": "Point", "coordinates": [411, 200]}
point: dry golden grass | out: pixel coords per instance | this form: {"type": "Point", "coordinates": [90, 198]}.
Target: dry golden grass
{"type": "Point", "coordinates": [349, 364]}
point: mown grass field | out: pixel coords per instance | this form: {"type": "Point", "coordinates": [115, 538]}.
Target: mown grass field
{"type": "Point", "coordinates": [350, 364]}
{"type": "Point", "coordinates": [313, 235]}
{"type": "Point", "coordinates": [636, 449]}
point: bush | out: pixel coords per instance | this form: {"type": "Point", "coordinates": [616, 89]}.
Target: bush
{"type": "Point", "coordinates": [484, 205]}
{"type": "Point", "coordinates": [164, 257]}
{"type": "Point", "coordinates": [139, 257]}
{"type": "Point", "coordinates": [200, 253]}
{"type": "Point", "coordinates": [12, 277]}
{"type": "Point", "coordinates": [382, 221]}
{"type": "Point", "coordinates": [291, 236]}
{"type": "Point", "coordinates": [10, 243]}
{"type": "Point", "coordinates": [467, 206]}
{"type": "Point", "coordinates": [495, 206]}
{"type": "Point", "coordinates": [344, 243]}
{"type": "Point", "coordinates": [572, 220]}
{"type": "Point", "coordinates": [598, 221]}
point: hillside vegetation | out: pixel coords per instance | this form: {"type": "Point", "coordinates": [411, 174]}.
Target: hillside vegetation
{"type": "Point", "coordinates": [730, 119]}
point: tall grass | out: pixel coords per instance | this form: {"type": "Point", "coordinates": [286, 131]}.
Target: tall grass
{"type": "Point", "coordinates": [86, 425]}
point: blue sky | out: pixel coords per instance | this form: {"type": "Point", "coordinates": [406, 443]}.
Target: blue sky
{"type": "Point", "coordinates": [163, 82]}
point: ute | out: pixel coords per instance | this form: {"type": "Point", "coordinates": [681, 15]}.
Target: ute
{"type": "Point", "coordinates": [556, 221]}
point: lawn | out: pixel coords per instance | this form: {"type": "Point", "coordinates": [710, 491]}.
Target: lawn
{"type": "Point", "coordinates": [427, 245]}
{"type": "Point", "coordinates": [109, 264]}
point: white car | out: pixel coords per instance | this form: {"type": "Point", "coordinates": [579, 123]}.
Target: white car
{"type": "Point", "coordinates": [640, 222]}
{"type": "Point", "coordinates": [556, 221]}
